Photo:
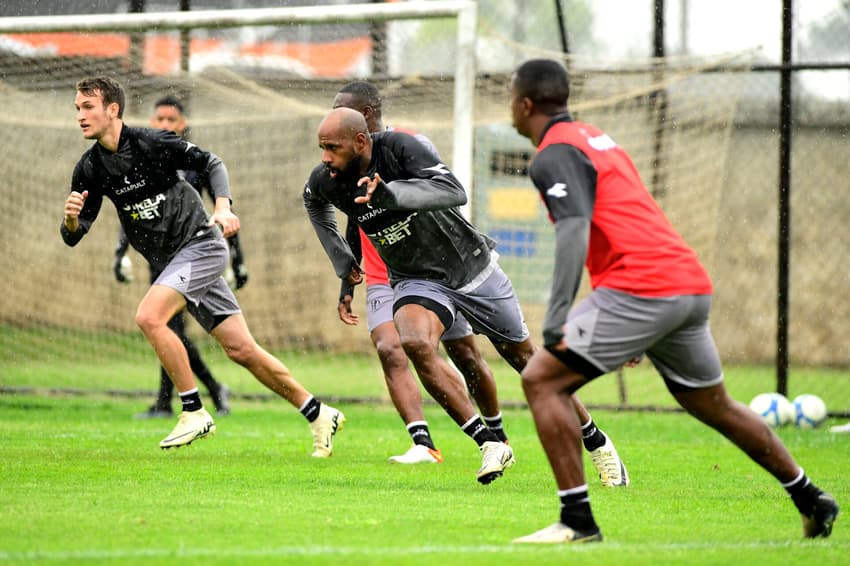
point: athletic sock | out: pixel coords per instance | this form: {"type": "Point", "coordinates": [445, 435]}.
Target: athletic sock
{"type": "Point", "coordinates": [803, 493]}
{"type": "Point", "coordinates": [477, 431]}
{"type": "Point", "coordinates": [575, 509]}
{"type": "Point", "coordinates": [310, 409]}
{"type": "Point", "coordinates": [191, 400]}
{"type": "Point", "coordinates": [495, 424]}
{"type": "Point", "coordinates": [418, 431]}
{"type": "Point", "coordinates": [591, 436]}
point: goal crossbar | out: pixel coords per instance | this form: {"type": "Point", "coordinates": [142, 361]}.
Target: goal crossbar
{"type": "Point", "coordinates": [464, 10]}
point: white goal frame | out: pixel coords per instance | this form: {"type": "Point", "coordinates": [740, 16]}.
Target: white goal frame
{"type": "Point", "coordinates": [465, 11]}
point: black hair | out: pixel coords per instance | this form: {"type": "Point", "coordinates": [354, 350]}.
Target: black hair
{"type": "Point", "coordinates": [108, 88]}
{"type": "Point", "coordinates": [170, 100]}
{"type": "Point", "coordinates": [365, 91]}
{"type": "Point", "coordinates": [545, 83]}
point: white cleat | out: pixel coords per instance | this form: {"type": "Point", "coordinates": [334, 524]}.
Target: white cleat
{"type": "Point", "coordinates": [612, 471]}
{"type": "Point", "coordinates": [845, 428]}
{"type": "Point", "coordinates": [325, 427]}
{"type": "Point", "coordinates": [559, 533]}
{"type": "Point", "coordinates": [190, 426]}
{"type": "Point", "coordinates": [496, 457]}
{"type": "Point", "coordinates": [418, 454]}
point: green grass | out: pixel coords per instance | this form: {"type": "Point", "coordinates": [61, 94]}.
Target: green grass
{"type": "Point", "coordinates": [46, 359]}
{"type": "Point", "coordinates": [82, 483]}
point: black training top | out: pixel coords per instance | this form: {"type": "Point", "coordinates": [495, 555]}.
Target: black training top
{"type": "Point", "coordinates": [412, 219]}
{"type": "Point", "coordinates": [160, 213]}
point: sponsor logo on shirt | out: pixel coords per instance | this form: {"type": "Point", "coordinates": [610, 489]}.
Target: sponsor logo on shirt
{"type": "Point", "coordinates": [147, 209]}
{"type": "Point", "coordinates": [558, 190]}
{"type": "Point", "coordinates": [372, 213]}
{"type": "Point", "coordinates": [439, 168]}
{"type": "Point", "coordinates": [395, 233]}
{"type": "Point", "coordinates": [602, 143]}
{"type": "Point", "coordinates": [128, 186]}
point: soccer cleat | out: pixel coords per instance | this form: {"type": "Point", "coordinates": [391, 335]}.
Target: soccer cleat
{"type": "Point", "coordinates": [824, 513]}
{"type": "Point", "coordinates": [325, 427]}
{"type": "Point", "coordinates": [155, 412]}
{"type": "Point", "coordinates": [496, 457]}
{"type": "Point", "coordinates": [612, 471]}
{"type": "Point", "coordinates": [845, 428]}
{"type": "Point", "coordinates": [559, 533]}
{"type": "Point", "coordinates": [418, 454]}
{"type": "Point", "coordinates": [191, 426]}
{"type": "Point", "coordinates": [222, 401]}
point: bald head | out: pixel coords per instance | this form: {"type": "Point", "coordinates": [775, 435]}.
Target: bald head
{"type": "Point", "coordinates": [345, 141]}
{"type": "Point", "coordinates": [343, 123]}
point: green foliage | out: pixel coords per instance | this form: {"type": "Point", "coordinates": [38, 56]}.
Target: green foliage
{"type": "Point", "coordinates": [83, 482]}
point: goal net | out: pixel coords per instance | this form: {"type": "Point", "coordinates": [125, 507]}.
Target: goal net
{"type": "Point", "coordinates": [256, 94]}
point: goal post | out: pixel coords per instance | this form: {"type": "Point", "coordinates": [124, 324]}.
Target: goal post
{"type": "Point", "coordinates": [259, 111]}
{"type": "Point", "coordinates": [464, 10]}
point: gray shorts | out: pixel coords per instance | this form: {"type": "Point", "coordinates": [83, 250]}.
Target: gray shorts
{"type": "Point", "coordinates": [196, 273]}
{"type": "Point", "coordinates": [490, 306]}
{"type": "Point", "coordinates": [379, 310]}
{"type": "Point", "coordinates": [609, 328]}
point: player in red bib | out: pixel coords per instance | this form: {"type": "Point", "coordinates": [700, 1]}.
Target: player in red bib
{"type": "Point", "coordinates": [650, 296]}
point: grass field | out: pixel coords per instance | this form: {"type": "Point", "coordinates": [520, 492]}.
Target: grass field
{"type": "Point", "coordinates": [82, 482]}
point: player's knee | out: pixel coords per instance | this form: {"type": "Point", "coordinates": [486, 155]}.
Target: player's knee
{"type": "Point", "coordinates": [242, 353]}
{"type": "Point", "coordinates": [537, 383]}
{"type": "Point", "coordinates": [531, 381]}
{"type": "Point", "coordinates": [390, 351]}
{"type": "Point", "coordinates": [418, 348]}
{"type": "Point", "coordinates": [464, 357]}
{"type": "Point", "coordinates": [147, 322]}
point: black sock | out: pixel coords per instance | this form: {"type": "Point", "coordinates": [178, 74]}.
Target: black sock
{"type": "Point", "coordinates": [418, 431]}
{"type": "Point", "coordinates": [191, 400]}
{"type": "Point", "coordinates": [803, 493]}
{"type": "Point", "coordinates": [575, 509]}
{"type": "Point", "coordinates": [591, 436]}
{"type": "Point", "coordinates": [310, 409]}
{"type": "Point", "coordinates": [476, 430]}
{"type": "Point", "coordinates": [495, 424]}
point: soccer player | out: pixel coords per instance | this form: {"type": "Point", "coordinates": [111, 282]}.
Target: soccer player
{"type": "Point", "coordinates": [169, 114]}
{"type": "Point", "coordinates": [458, 340]}
{"type": "Point", "coordinates": [406, 201]}
{"type": "Point", "coordinates": [165, 221]}
{"type": "Point", "coordinates": [650, 295]}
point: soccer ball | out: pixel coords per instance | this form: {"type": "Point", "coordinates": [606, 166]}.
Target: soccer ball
{"type": "Point", "coordinates": [809, 411]}
{"type": "Point", "coordinates": [773, 408]}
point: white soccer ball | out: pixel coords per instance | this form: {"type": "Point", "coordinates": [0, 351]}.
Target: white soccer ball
{"type": "Point", "coordinates": [809, 411]}
{"type": "Point", "coordinates": [773, 408]}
